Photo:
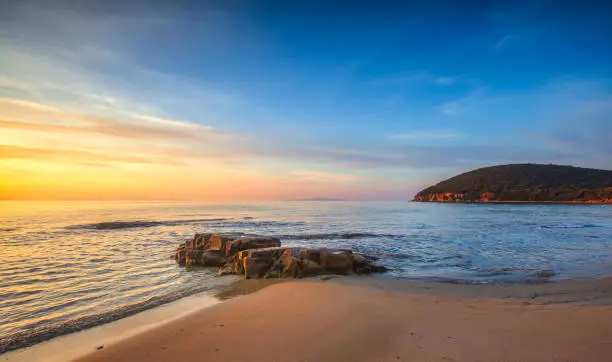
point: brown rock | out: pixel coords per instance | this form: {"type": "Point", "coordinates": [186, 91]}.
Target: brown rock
{"type": "Point", "coordinates": [212, 258]}
{"type": "Point", "coordinates": [250, 242]}
{"type": "Point", "coordinates": [181, 256]}
{"type": "Point", "coordinates": [310, 268]}
{"type": "Point", "coordinates": [200, 241]}
{"type": "Point", "coordinates": [193, 257]}
{"type": "Point", "coordinates": [260, 256]}
{"type": "Point", "coordinates": [291, 266]}
{"type": "Point", "coordinates": [546, 273]}
{"type": "Point", "coordinates": [219, 241]}
{"type": "Point", "coordinates": [311, 254]}
{"type": "Point", "coordinates": [275, 252]}
{"type": "Point", "coordinates": [255, 267]}
{"type": "Point", "coordinates": [361, 264]}
{"type": "Point", "coordinates": [336, 261]}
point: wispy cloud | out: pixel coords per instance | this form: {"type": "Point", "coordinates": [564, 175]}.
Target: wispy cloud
{"type": "Point", "coordinates": [426, 135]}
{"type": "Point", "coordinates": [172, 122]}
{"type": "Point", "coordinates": [461, 104]}
{"type": "Point", "coordinates": [500, 43]}
{"type": "Point", "coordinates": [451, 108]}
{"type": "Point", "coordinates": [42, 132]}
{"type": "Point", "coordinates": [445, 80]}
{"type": "Point", "coordinates": [421, 156]}
{"type": "Point", "coordinates": [84, 60]}
{"type": "Point", "coordinates": [320, 176]}
{"type": "Point", "coordinates": [417, 78]}
{"type": "Point", "coordinates": [72, 121]}
{"type": "Point", "coordinates": [28, 104]}
{"type": "Point", "coordinates": [78, 156]}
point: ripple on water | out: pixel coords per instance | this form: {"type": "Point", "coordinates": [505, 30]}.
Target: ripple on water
{"type": "Point", "coordinates": [59, 275]}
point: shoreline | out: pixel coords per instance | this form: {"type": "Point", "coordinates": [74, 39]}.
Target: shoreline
{"type": "Point", "coordinates": [367, 319]}
{"type": "Point", "coordinates": [514, 202]}
{"type": "Point", "coordinates": [577, 294]}
{"type": "Point", "coordinates": [73, 345]}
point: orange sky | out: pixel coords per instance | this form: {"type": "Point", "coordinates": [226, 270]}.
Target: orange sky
{"type": "Point", "coordinates": [53, 153]}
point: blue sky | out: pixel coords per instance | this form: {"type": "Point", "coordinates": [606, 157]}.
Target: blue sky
{"type": "Point", "coordinates": [385, 97]}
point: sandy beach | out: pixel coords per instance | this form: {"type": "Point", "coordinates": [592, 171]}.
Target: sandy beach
{"type": "Point", "coordinates": [370, 319]}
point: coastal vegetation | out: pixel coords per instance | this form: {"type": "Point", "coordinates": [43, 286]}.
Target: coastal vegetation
{"type": "Point", "coordinates": [524, 183]}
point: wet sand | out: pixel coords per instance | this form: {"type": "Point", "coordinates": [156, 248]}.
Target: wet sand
{"type": "Point", "coordinates": [70, 346]}
{"type": "Point", "coordinates": [377, 319]}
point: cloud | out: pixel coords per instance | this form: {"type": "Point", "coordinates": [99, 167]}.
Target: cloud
{"type": "Point", "coordinates": [416, 156]}
{"type": "Point", "coordinates": [451, 108]}
{"type": "Point", "coordinates": [319, 176]}
{"type": "Point", "coordinates": [171, 122]}
{"type": "Point", "coordinates": [77, 122]}
{"type": "Point", "coordinates": [29, 104]}
{"type": "Point", "coordinates": [417, 78]}
{"type": "Point", "coordinates": [503, 41]}
{"type": "Point", "coordinates": [426, 135]}
{"type": "Point", "coordinates": [85, 60]}
{"type": "Point", "coordinates": [77, 156]}
{"type": "Point", "coordinates": [72, 77]}
{"type": "Point", "coordinates": [462, 104]}
{"type": "Point", "coordinates": [445, 80]}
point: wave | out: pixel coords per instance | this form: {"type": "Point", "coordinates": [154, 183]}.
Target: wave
{"type": "Point", "coordinates": [331, 236]}
{"type": "Point", "coordinates": [212, 222]}
{"type": "Point", "coordinates": [571, 226]}
{"type": "Point", "coordinates": [112, 225]}
{"type": "Point", "coordinates": [256, 224]}
{"type": "Point", "coordinates": [43, 332]}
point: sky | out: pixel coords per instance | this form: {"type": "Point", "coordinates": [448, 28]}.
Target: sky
{"type": "Point", "coordinates": [280, 100]}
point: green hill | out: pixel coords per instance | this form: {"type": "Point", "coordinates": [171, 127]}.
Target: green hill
{"type": "Point", "coordinates": [524, 183]}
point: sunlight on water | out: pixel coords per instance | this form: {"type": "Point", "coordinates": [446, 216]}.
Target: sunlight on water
{"type": "Point", "coordinates": [66, 266]}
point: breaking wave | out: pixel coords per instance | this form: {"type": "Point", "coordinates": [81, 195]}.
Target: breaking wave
{"type": "Point", "coordinates": [46, 331]}
{"type": "Point", "coordinates": [112, 225]}
{"type": "Point", "coordinates": [214, 222]}
{"type": "Point", "coordinates": [332, 236]}
{"type": "Point", "coordinates": [571, 226]}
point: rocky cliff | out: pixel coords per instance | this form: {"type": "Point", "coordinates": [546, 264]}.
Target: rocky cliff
{"type": "Point", "coordinates": [524, 183]}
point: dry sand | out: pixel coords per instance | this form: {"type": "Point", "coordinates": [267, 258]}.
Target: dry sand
{"type": "Point", "coordinates": [350, 319]}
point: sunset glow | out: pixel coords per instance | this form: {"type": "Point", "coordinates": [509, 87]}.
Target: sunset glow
{"type": "Point", "coordinates": [224, 104]}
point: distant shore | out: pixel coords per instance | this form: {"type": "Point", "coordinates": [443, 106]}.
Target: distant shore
{"type": "Point", "coordinates": [381, 319]}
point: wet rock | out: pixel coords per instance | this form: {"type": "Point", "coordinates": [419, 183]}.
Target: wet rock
{"type": "Point", "coordinates": [546, 273]}
{"type": "Point", "coordinates": [219, 241]}
{"type": "Point", "coordinates": [263, 257]}
{"type": "Point", "coordinates": [256, 267]}
{"type": "Point", "coordinates": [313, 255]}
{"type": "Point", "coordinates": [212, 258]}
{"type": "Point", "coordinates": [290, 264]}
{"type": "Point", "coordinates": [310, 268]}
{"type": "Point", "coordinates": [200, 241]}
{"type": "Point", "coordinates": [250, 242]}
{"type": "Point", "coordinates": [337, 261]}
{"type": "Point", "coordinates": [181, 256]}
{"type": "Point", "coordinates": [192, 257]}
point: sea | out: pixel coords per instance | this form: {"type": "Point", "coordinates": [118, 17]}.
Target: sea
{"type": "Point", "coordinates": [68, 266]}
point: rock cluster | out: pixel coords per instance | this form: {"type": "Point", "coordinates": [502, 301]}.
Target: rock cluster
{"type": "Point", "coordinates": [256, 256]}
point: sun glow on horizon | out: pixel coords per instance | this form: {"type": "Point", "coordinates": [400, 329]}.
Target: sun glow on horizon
{"type": "Point", "coordinates": [115, 102]}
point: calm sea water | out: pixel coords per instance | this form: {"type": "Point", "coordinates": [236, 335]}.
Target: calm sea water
{"type": "Point", "coordinates": [62, 269]}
